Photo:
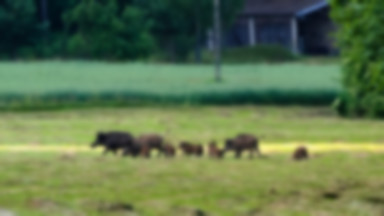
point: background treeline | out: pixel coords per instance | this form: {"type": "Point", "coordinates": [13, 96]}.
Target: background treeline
{"type": "Point", "coordinates": [107, 29]}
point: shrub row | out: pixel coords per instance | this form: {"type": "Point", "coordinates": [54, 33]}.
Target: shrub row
{"type": "Point", "coordinates": [259, 53]}
{"type": "Point", "coordinates": [79, 100]}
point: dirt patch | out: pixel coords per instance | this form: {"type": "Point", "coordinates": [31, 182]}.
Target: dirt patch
{"type": "Point", "coordinates": [116, 207]}
{"type": "Point", "coordinates": [339, 188]}
{"type": "Point", "coordinates": [43, 204]}
{"type": "Point", "coordinates": [190, 212]}
{"type": "Point", "coordinates": [376, 200]}
{"type": "Point", "coordinates": [254, 212]}
{"type": "Point", "coordinates": [331, 195]}
{"type": "Point", "coordinates": [50, 207]}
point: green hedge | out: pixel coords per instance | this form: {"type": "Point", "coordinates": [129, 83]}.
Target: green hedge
{"type": "Point", "coordinates": [256, 54]}
{"type": "Point", "coordinates": [79, 100]}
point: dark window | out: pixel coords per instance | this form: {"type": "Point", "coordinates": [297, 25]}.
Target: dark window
{"type": "Point", "coordinates": [237, 35]}
{"type": "Point", "coordinates": [274, 33]}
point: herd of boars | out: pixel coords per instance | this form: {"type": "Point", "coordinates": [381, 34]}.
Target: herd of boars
{"type": "Point", "coordinates": [142, 146]}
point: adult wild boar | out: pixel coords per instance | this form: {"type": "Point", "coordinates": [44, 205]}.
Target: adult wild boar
{"type": "Point", "coordinates": [114, 141]}
{"type": "Point", "coordinates": [149, 142]}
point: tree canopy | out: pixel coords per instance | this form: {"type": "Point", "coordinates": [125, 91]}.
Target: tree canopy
{"type": "Point", "coordinates": [361, 39]}
{"type": "Point", "coordinates": [107, 29]}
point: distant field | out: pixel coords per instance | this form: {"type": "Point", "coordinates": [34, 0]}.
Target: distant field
{"type": "Point", "coordinates": [47, 83]}
{"type": "Point", "coordinates": [302, 125]}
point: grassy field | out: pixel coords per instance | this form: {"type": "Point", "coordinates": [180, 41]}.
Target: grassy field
{"type": "Point", "coordinates": [195, 123]}
{"type": "Point", "coordinates": [87, 184]}
{"type": "Point", "coordinates": [49, 83]}
{"type": "Point", "coordinates": [39, 183]}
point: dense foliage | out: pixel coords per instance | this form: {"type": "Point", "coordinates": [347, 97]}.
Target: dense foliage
{"type": "Point", "coordinates": [102, 31]}
{"type": "Point", "coordinates": [19, 26]}
{"type": "Point", "coordinates": [179, 26]}
{"type": "Point", "coordinates": [107, 29]}
{"type": "Point", "coordinates": [361, 38]}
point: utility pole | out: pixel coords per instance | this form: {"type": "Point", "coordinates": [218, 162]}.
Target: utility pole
{"type": "Point", "coordinates": [217, 38]}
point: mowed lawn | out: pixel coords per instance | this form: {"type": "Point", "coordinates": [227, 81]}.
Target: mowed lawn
{"type": "Point", "coordinates": [334, 184]}
{"type": "Point", "coordinates": [96, 77]}
{"type": "Point", "coordinates": [90, 81]}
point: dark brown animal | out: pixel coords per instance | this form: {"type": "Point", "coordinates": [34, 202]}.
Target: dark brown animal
{"type": "Point", "coordinates": [114, 141]}
{"type": "Point", "coordinates": [134, 150]}
{"type": "Point", "coordinates": [168, 150]}
{"type": "Point", "coordinates": [243, 142]}
{"type": "Point", "coordinates": [214, 151]}
{"type": "Point", "coordinates": [145, 151]}
{"type": "Point", "coordinates": [190, 149]}
{"type": "Point", "coordinates": [300, 153]}
{"type": "Point", "coordinates": [149, 142]}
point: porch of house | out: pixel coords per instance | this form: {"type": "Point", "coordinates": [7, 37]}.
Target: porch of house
{"type": "Point", "coordinates": [305, 33]}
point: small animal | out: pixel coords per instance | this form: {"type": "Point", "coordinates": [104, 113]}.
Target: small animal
{"type": "Point", "coordinates": [300, 153]}
{"type": "Point", "coordinates": [114, 141]}
{"type": "Point", "coordinates": [168, 150]}
{"type": "Point", "coordinates": [190, 149]}
{"type": "Point", "coordinates": [243, 142]}
{"type": "Point", "coordinates": [214, 151]}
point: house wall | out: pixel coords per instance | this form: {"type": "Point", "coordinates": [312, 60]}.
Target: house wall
{"type": "Point", "coordinates": [237, 35]}
{"type": "Point", "coordinates": [274, 31]}
{"type": "Point", "coordinates": [267, 30]}
{"type": "Point", "coordinates": [316, 33]}
{"type": "Point", "coordinates": [314, 36]}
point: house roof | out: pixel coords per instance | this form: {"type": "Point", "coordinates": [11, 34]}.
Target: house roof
{"type": "Point", "coordinates": [283, 7]}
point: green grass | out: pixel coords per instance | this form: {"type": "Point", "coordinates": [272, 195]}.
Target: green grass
{"type": "Point", "coordinates": [87, 184]}
{"type": "Point", "coordinates": [45, 184]}
{"type": "Point", "coordinates": [195, 123]}
{"type": "Point", "coordinates": [45, 84]}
